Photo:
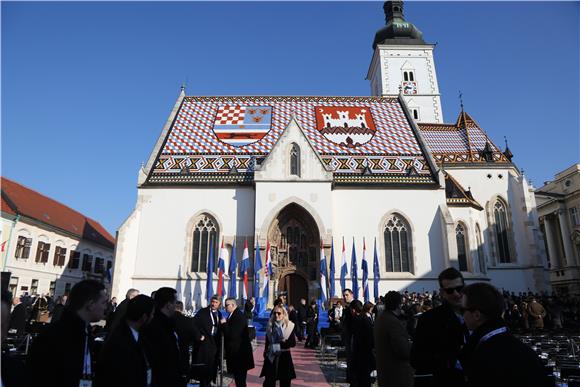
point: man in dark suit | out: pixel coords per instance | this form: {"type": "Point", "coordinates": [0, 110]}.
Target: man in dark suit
{"type": "Point", "coordinates": [440, 334]}
{"type": "Point", "coordinates": [238, 346]}
{"type": "Point", "coordinates": [122, 361]}
{"type": "Point", "coordinates": [346, 324]}
{"type": "Point", "coordinates": [301, 310]}
{"type": "Point", "coordinates": [187, 333]}
{"type": "Point", "coordinates": [62, 355]}
{"type": "Point", "coordinates": [205, 357]}
{"type": "Point", "coordinates": [162, 342]}
{"type": "Point", "coordinates": [492, 356]}
{"type": "Point", "coordinates": [119, 314]}
{"type": "Point", "coordinates": [18, 317]}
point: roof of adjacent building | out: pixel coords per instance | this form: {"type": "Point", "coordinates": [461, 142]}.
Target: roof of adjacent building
{"type": "Point", "coordinates": [462, 142]}
{"type": "Point", "coordinates": [458, 196]}
{"type": "Point", "coordinates": [215, 138]}
{"type": "Point", "coordinates": [20, 200]}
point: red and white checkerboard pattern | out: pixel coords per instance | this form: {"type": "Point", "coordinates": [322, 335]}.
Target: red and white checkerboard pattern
{"type": "Point", "coordinates": [230, 115]}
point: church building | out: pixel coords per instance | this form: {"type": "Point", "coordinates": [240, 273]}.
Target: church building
{"type": "Point", "coordinates": [381, 173]}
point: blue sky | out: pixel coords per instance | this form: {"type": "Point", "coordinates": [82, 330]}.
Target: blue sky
{"type": "Point", "coordinates": [87, 87]}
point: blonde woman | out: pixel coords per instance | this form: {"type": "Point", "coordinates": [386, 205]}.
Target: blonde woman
{"type": "Point", "coordinates": [280, 338]}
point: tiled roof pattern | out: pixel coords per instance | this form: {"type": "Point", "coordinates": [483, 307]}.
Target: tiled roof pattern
{"type": "Point", "coordinates": [34, 205]}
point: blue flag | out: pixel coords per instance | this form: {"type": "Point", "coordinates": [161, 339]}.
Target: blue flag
{"type": "Point", "coordinates": [343, 267]}
{"type": "Point", "coordinates": [257, 268]}
{"type": "Point", "coordinates": [377, 273]}
{"type": "Point", "coordinates": [365, 272]}
{"type": "Point", "coordinates": [331, 276]}
{"type": "Point", "coordinates": [353, 272]}
{"type": "Point", "coordinates": [233, 292]}
{"type": "Point", "coordinates": [209, 290]}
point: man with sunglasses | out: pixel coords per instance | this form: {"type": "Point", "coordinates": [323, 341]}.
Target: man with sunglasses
{"type": "Point", "coordinates": [492, 356]}
{"type": "Point", "coordinates": [440, 334]}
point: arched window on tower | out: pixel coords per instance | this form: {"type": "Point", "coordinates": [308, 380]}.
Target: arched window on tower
{"type": "Point", "coordinates": [295, 160]}
{"type": "Point", "coordinates": [205, 237]}
{"type": "Point", "coordinates": [397, 237]}
{"type": "Point", "coordinates": [461, 237]}
{"type": "Point", "coordinates": [501, 231]}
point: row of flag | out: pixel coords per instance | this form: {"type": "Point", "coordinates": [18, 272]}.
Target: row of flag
{"type": "Point", "coordinates": [262, 294]}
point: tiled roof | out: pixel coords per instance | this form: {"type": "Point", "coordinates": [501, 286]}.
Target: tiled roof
{"type": "Point", "coordinates": [462, 142]}
{"type": "Point", "coordinates": [201, 139]}
{"type": "Point", "coordinates": [18, 199]}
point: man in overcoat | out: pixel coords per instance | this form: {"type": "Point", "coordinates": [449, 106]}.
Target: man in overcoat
{"type": "Point", "coordinates": [206, 350]}
{"type": "Point", "coordinates": [237, 343]}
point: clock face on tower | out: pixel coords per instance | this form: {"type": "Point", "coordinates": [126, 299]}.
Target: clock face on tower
{"type": "Point", "coordinates": [409, 87]}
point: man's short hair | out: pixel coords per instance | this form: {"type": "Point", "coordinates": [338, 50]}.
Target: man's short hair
{"type": "Point", "coordinates": [131, 292]}
{"type": "Point", "coordinates": [83, 292]}
{"type": "Point", "coordinates": [357, 306]}
{"type": "Point", "coordinates": [485, 298]}
{"type": "Point", "coordinates": [215, 297]}
{"type": "Point", "coordinates": [232, 300]}
{"type": "Point", "coordinates": [347, 290]}
{"type": "Point", "coordinates": [138, 306]}
{"type": "Point", "coordinates": [163, 296]}
{"type": "Point", "coordinates": [449, 274]}
{"type": "Point", "coordinates": [392, 300]}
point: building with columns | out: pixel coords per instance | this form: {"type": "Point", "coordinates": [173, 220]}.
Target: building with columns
{"type": "Point", "coordinates": [381, 172]}
{"type": "Point", "coordinates": [558, 206]}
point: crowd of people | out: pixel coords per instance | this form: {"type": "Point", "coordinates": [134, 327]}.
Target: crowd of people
{"type": "Point", "coordinates": [460, 336]}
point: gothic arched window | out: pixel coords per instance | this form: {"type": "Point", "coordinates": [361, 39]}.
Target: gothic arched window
{"type": "Point", "coordinates": [461, 237]}
{"type": "Point", "coordinates": [397, 236]}
{"type": "Point", "coordinates": [501, 231]}
{"type": "Point", "coordinates": [205, 238]}
{"type": "Point", "coordinates": [295, 160]}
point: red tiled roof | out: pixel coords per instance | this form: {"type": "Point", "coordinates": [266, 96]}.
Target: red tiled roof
{"type": "Point", "coordinates": [19, 199]}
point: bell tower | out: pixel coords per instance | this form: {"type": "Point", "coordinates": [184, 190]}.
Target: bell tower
{"type": "Point", "coordinates": [403, 63]}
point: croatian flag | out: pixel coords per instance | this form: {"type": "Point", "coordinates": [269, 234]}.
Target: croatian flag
{"type": "Point", "coordinates": [376, 272]}
{"type": "Point", "coordinates": [244, 269]}
{"type": "Point", "coordinates": [209, 289]}
{"type": "Point", "coordinates": [267, 275]}
{"type": "Point", "coordinates": [238, 125]}
{"type": "Point", "coordinates": [343, 267]}
{"type": "Point", "coordinates": [232, 272]}
{"type": "Point", "coordinates": [353, 272]}
{"type": "Point", "coordinates": [221, 270]}
{"type": "Point", "coordinates": [365, 271]}
{"type": "Point", "coordinates": [257, 270]}
{"type": "Point", "coordinates": [323, 296]}
{"type": "Point", "coordinates": [331, 277]}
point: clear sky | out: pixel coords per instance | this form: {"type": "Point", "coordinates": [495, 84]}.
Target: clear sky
{"type": "Point", "coordinates": [87, 87]}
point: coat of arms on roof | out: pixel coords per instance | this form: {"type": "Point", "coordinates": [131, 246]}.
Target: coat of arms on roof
{"type": "Point", "coordinates": [238, 125]}
{"type": "Point", "coordinates": [345, 125]}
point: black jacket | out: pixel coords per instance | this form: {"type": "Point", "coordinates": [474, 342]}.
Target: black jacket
{"type": "Point", "coordinates": [205, 354]}
{"type": "Point", "coordinates": [363, 344]}
{"type": "Point", "coordinates": [237, 343]}
{"type": "Point", "coordinates": [187, 333]}
{"type": "Point", "coordinates": [56, 357]}
{"type": "Point", "coordinates": [500, 360]}
{"type": "Point", "coordinates": [436, 345]}
{"type": "Point", "coordinates": [122, 361]}
{"type": "Point", "coordinates": [18, 318]}
{"type": "Point", "coordinates": [301, 310]}
{"type": "Point", "coordinates": [162, 350]}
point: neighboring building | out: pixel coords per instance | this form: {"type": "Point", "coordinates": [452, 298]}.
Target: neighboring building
{"type": "Point", "coordinates": [295, 172]}
{"type": "Point", "coordinates": [558, 206]}
{"type": "Point", "coordinates": [48, 247]}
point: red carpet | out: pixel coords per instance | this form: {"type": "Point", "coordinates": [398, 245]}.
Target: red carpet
{"type": "Point", "coordinates": [308, 372]}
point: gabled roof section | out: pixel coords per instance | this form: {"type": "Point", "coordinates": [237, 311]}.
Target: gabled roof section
{"type": "Point", "coordinates": [462, 142]}
{"type": "Point", "coordinates": [20, 200]}
{"type": "Point", "coordinates": [457, 196]}
{"type": "Point", "coordinates": [212, 136]}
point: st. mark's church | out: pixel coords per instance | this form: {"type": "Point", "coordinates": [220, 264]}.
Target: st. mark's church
{"type": "Point", "coordinates": [295, 172]}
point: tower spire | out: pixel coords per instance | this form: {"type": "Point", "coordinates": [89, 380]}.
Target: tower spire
{"type": "Point", "coordinates": [461, 100]}
{"type": "Point", "coordinates": [397, 30]}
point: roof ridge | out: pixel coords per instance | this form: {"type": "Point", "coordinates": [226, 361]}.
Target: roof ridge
{"type": "Point", "coordinates": [49, 198]}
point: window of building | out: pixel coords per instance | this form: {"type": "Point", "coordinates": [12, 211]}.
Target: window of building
{"type": "Point", "coordinates": [67, 287]}
{"type": "Point", "coordinates": [461, 238]}
{"type": "Point", "coordinates": [109, 265]}
{"type": "Point", "coordinates": [415, 113]}
{"type": "Point", "coordinates": [397, 236]}
{"type": "Point", "coordinates": [574, 216]}
{"type": "Point", "coordinates": [74, 259]}
{"type": "Point", "coordinates": [87, 262]}
{"type": "Point", "coordinates": [295, 160]}
{"type": "Point", "coordinates": [52, 288]}
{"type": "Point", "coordinates": [42, 252]}
{"type": "Point", "coordinates": [99, 265]}
{"type": "Point", "coordinates": [23, 245]}
{"type": "Point", "coordinates": [480, 255]}
{"type": "Point", "coordinates": [205, 246]}
{"type": "Point", "coordinates": [501, 231]}
{"type": "Point", "coordinates": [409, 75]}
{"type": "Point", "coordinates": [13, 285]}
{"type": "Point", "coordinates": [59, 256]}
{"type": "Point", "coordinates": [34, 287]}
